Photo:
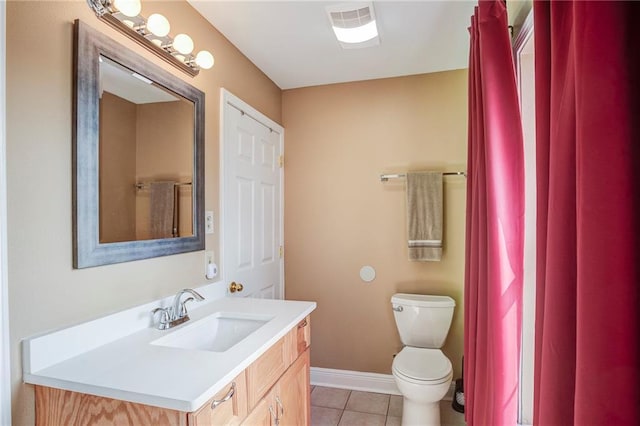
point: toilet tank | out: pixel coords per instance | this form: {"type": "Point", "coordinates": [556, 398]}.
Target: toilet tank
{"type": "Point", "coordinates": [423, 321]}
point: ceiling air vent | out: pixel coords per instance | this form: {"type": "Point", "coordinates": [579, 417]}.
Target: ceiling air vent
{"type": "Point", "coordinates": [354, 24]}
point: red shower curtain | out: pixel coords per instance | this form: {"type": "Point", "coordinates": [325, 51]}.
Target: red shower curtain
{"type": "Point", "coordinates": [587, 363]}
{"type": "Point", "coordinates": [494, 238]}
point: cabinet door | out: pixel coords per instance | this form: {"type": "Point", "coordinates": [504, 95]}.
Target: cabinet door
{"type": "Point", "coordinates": [292, 398]}
{"type": "Point", "coordinates": [261, 414]}
{"type": "Point", "coordinates": [227, 407]}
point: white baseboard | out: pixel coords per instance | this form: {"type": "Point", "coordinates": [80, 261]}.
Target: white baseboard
{"type": "Point", "coordinates": [354, 380]}
{"type": "Point", "coordinates": [357, 380]}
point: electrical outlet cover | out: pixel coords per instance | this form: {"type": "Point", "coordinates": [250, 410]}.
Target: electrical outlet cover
{"type": "Point", "coordinates": [208, 222]}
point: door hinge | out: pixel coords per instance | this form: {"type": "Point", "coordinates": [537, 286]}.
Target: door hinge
{"type": "Point", "coordinates": [281, 252]}
{"type": "Point", "coordinates": [281, 161]}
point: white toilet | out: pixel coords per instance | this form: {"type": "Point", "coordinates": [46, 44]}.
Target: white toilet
{"type": "Point", "coordinates": [422, 372]}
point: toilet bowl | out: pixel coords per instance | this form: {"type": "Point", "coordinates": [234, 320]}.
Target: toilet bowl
{"type": "Point", "coordinates": [423, 377]}
{"type": "Point", "coordinates": [421, 371]}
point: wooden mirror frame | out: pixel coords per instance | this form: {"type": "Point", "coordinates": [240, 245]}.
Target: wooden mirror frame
{"type": "Point", "coordinates": [89, 44]}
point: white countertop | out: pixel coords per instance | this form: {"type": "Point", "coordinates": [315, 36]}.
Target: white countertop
{"type": "Point", "coordinates": [132, 369]}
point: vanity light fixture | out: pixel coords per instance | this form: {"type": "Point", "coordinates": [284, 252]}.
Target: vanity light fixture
{"type": "Point", "coordinates": [152, 33]}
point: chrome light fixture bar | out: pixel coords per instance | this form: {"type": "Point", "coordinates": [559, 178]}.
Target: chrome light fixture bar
{"type": "Point", "coordinates": [152, 33]}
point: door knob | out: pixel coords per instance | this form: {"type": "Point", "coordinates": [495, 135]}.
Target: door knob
{"type": "Point", "coordinates": [233, 287]}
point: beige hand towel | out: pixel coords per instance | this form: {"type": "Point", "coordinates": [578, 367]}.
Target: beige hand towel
{"type": "Point", "coordinates": [162, 205]}
{"type": "Point", "coordinates": [424, 215]}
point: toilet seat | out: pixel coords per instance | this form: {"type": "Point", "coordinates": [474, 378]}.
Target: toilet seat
{"type": "Point", "coordinates": [422, 365]}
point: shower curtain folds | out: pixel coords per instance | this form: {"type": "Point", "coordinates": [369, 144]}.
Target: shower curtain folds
{"type": "Point", "coordinates": [587, 359]}
{"type": "Point", "coordinates": [495, 220]}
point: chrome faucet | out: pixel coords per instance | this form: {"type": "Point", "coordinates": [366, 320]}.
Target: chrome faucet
{"type": "Point", "coordinates": [180, 309]}
{"type": "Point", "coordinates": [176, 314]}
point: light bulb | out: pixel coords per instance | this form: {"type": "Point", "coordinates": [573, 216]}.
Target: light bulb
{"type": "Point", "coordinates": [204, 59]}
{"type": "Point", "coordinates": [129, 8]}
{"type": "Point", "coordinates": [158, 25]}
{"type": "Point", "coordinates": [183, 44]}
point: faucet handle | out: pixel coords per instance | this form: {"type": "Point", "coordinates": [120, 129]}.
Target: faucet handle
{"type": "Point", "coordinates": [183, 307]}
{"type": "Point", "coordinates": [163, 323]}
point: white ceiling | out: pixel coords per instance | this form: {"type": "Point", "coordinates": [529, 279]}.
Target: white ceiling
{"type": "Point", "coordinates": [122, 82]}
{"type": "Point", "coordinates": [293, 44]}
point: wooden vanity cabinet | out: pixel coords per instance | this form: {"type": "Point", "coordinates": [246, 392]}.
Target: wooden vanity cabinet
{"type": "Point", "coordinates": [56, 407]}
{"type": "Point", "coordinates": [273, 390]}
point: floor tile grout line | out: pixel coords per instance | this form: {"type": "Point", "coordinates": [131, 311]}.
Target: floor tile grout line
{"type": "Point", "coordinates": [346, 402]}
{"type": "Point", "coordinates": [340, 419]}
{"type": "Point", "coordinates": [345, 407]}
{"type": "Point", "coordinates": [388, 406]}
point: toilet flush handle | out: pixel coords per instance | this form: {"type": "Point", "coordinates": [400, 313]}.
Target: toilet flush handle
{"type": "Point", "coordinates": [398, 308]}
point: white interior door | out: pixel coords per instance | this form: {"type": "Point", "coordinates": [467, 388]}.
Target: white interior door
{"type": "Point", "coordinates": [252, 214]}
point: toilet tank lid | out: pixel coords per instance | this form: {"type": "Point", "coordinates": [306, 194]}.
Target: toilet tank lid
{"type": "Point", "coordinates": [423, 300]}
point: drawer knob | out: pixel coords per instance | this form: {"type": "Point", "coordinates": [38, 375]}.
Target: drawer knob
{"type": "Point", "coordinates": [225, 398]}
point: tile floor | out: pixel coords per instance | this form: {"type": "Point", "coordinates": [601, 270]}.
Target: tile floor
{"type": "Point", "coordinates": [343, 407]}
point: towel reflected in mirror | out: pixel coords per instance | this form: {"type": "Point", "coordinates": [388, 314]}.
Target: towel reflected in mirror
{"type": "Point", "coordinates": [163, 209]}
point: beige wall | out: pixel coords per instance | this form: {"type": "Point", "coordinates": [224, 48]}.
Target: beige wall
{"type": "Point", "coordinates": [117, 169]}
{"type": "Point", "coordinates": [340, 217]}
{"type": "Point", "coordinates": [45, 292]}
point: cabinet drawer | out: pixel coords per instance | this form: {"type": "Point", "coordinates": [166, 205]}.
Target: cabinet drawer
{"type": "Point", "coordinates": [265, 371]}
{"type": "Point", "coordinates": [227, 407]}
{"type": "Point", "coordinates": [303, 336]}
{"type": "Point", "coordinates": [298, 340]}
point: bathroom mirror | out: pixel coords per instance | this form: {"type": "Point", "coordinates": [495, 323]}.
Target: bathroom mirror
{"type": "Point", "coordinates": [138, 156]}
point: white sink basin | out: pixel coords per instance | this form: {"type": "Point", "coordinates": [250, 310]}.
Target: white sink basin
{"type": "Point", "coordinates": [216, 333]}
